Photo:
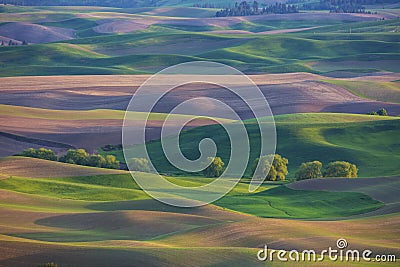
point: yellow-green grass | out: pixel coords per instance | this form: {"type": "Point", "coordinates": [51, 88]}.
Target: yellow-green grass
{"type": "Point", "coordinates": [279, 53]}
{"type": "Point", "coordinates": [97, 114]}
{"type": "Point", "coordinates": [269, 201]}
{"type": "Point", "coordinates": [381, 91]}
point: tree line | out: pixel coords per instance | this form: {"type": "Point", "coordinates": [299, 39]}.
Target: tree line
{"type": "Point", "coordinates": [252, 8]}
{"type": "Point", "coordinates": [340, 6]}
{"type": "Point", "coordinates": [12, 43]}
{"type": "Point", "coordinates": [271, 167]}
{"type": "Point", "coordinates": [74, 156]}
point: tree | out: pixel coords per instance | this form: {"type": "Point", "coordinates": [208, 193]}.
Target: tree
{"type": "Point", "coordinates": [111, 162]}
{"type": "Point", "coordinates": [41, 153]}
{"type": "Point", "coordinates": [76, 156]}
{"type": "Point", "coordinates": [24, 43]}
{"type": "Point", "coordinates": [140, 165]}
{"type": "Point", "coordinates": [382, 112]}
{"type": "Point", "coordinates": [216, 167]}
{"type": "Point", "coordinates": [309, 170]}
{"type": "Point", "coordinates": [273, 167]}
{"type": "Point", "coordinates": [340, 169]}
{"type": "Point", "coordinates": [96, 160]}
{"type": "Point", "coordinates": [49, 264]}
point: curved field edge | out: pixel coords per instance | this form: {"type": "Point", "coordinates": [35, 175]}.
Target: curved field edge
{"type": "Point", "coordinates": [381, 91]}
{"type": "Point", "coordinates": [272, 200]}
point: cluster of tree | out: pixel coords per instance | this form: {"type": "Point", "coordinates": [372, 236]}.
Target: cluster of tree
{"type": "Point", "coordinates": [139, 165]}
{"type": "Point", "coordinates": [206, 5]}
{"type": "Point", "coordinates": [340, 6]}
{"type": "Point", "coordinates": [81, 157]}
{"type": "Point", "coordinates": [273, 167]}
{"type": "Point", "coordinates": [248, 9]}
{"type": "Point", "coordinates": [313, 169]}
{"type": "Point", "coordinates": [111, 147]}
{"type": "Point", "coordinates": [74, 156]}
{"type": "Point", "coordinates": [12, 43]}
{"type": "Point", "coordinates": [380, 112]}
{"type": "Point", "coordinates": [49, 264]}
{"type": "Point", "coordinates": [41, 153]}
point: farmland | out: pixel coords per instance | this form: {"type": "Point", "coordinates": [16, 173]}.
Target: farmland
{"type": "Point", "coordinates": [68, 74]}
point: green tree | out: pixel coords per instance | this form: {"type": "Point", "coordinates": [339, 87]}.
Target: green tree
{"type": "Point", "coordinates": [111, 162]}
{"type": "Point", "coordinates": [96, 160]}
{"type": "Point", "coordinates": [76, 156]}
{"type": "Point", "coordinates": [273, 167]}
{"type": "Point", "coordinates": [309, 170]}
{"type": "Point", "coordinates": [30, 152]}
{"type": "Point", "coordinates": [49, 264]}
{"type": "Point", "coordinates": [382, 112]}
{"type": "Point", "coordinates": [140, 165]}
{"type": "Point", "coordinates": [340, 169]}
{"type": "Point", "coordinates": [216, 167]}
{"type": "Point", "coordinates": [41, 153]}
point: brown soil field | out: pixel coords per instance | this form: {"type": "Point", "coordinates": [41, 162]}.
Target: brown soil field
{"type": "Point", "coordinates": [35, 34]}
{"type": "Point", "coordinates": [119, 26]}
{"type": "Point", "coordinates": [192, 233]}
{"type": "Point", "coordinates": [286, 93]}
{"type": "Point", "coordinates": [37, 168]}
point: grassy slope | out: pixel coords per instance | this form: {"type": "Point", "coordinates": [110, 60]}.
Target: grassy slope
{"type": "Point", "coordinates": [250, 53]}
{"type": "Point", "coordinates": [371, 142]}
{"type": "Point", "coordinates": [115, 228]}
{"type": "Point", "coordinates": [381, 91]}
{"type": "Point", "coordinates": [98, 114]}
{"type": "Point", "coordinates": [272, 201]}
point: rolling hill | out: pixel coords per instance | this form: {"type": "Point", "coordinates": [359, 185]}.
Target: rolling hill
{"type": "Point", "coordinates": [368, 141]}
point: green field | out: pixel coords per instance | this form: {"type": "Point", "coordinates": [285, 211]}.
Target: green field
{"type": "Point", "coordinates": [381, 91]}
{"type": "Point", "coordinates": [371, 142]}
{"type": "Point", "coordinates": [77, 215]}
{"type": "Point", "coordinates": [272, 200]}
{"type": "Point", "coordinates": [162, 44]}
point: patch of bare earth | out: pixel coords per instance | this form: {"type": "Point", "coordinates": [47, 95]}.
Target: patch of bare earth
{"type": "Point", "coordinates": [34, 33]}
{"type": "Point", "coordinates": [37, 168]}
